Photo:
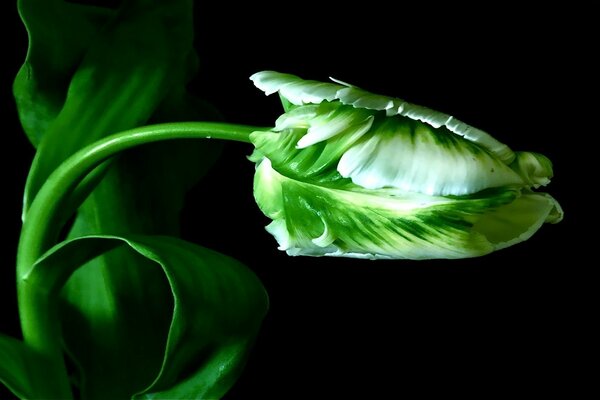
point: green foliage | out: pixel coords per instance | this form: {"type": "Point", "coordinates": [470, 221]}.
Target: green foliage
{"type": "Point", "coordinates": [345, 172]}
{"type": "Point", "coordinates": [20, 368]}
{"type": "Point", "coordinates": [130, 328]}
{"type": "Point", "coordinates": [214, 307]}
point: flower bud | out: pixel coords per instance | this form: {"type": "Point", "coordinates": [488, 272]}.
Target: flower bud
{"type": "Point", "coordinates": [348, 173]}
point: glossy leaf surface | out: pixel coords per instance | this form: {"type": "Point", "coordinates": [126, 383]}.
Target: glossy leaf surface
{"type": "Point", "coordinates": [216, 309]}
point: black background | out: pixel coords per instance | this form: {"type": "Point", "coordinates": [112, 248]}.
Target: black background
{"type": "Point", "coordinates": [501, 324]}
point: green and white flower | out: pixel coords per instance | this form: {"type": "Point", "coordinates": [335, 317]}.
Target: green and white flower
{"type": "Point", "coordinates": [349, 173]}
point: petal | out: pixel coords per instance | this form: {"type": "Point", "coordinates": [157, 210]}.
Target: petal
{"type": "Point", "coordinates": [502, 151]}
{"type": "Point", "coordinates": [519, 220]}
{"type": "Point", "coordinates": [298, 117]}
{"type": "Point", "coordinates": [534, 168]}
{"type": "Point", "coordinates": [359, 98]}
{"type": "Point", "coordinates": [353, 222]}
{"type": "Point", "coordinates": [267, 191]}
{"type": "Point", "coordinates": [299, 92]}
{"type": "Point", "coordinates": [412, 156]}
{"type": "Point", "coordinates": [362, 99]}
{"type": "Point", "coordinates": [270, 81]}
{"type": "Point", "coordinates": [310, 140]}
{"type": "Point", "coordinates": [294, 89]}
{"type": "Point", "coordinates": [333, 124]}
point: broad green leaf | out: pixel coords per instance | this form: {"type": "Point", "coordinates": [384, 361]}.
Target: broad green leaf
{"type": "Point", "coordinates": [60, 34]}
{"type": "Point", "coordinates": [131, 69]}
{"type": "Point", "coordinates": [138, 58]}
{"type": "Point", "coordinates": [20, 368]}
{"type": "Point", "coordinates": [144, 51]}
{"type": "Point", "coordinates": [101, 310]}
{"type": "Point", "coordinates": [142, 192]}
{"type": "Point", "coordinates": [216, 306]}
{"type": "Point", "coordinates": [212, 379]}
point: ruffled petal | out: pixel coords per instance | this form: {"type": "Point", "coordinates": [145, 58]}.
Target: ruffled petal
{"type": "Point", "coordinates": [308, 141]}
{"type": "Point", "coordinates": [412, 156]}
{"type": "Point", "coordinates": [294, 89]}
{"type": "Point", "coordinates": [300, 92]}
{"type": "Point", "coordinates": [348, 221]}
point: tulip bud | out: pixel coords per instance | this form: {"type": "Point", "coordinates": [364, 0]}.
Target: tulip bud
{"type": "Point", "coordinates": [345, 172]}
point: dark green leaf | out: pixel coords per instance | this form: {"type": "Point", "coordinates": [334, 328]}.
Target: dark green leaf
{"type": "Point", "coordinates": [60, 34]}
{"type": "Point", "coordinates": [142, 192]}
{"type": "Point", "coordinates": [19, 367]}
{"type": "Point", "coordinates": [217, 307]}
{"type": "Point", "coordinates": [126, 68]}
{"type": "Point", "coordinates": [129, 66]}
{"type": "Point", "coordinates": [116, 312]}
{"type": "Point", "coordinates": [124, 75]}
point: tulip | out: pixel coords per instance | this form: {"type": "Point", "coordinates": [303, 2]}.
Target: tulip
{"type": "Point", "coordinates": [345, 172]}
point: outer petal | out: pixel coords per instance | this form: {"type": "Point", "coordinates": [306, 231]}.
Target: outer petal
{"type": "Point", "coordinates": [376, 151]}
{"type": "Point", "coordinates": [299, 92]}
{"type": "Point", "coordinates": [309, 141]}
{"type": "Point", "coordinates": [412, 156]}
{"type": "Point", "coordinates": [519, 220]}
{"type": "Point", "coordinates": [294, 89]}
{"type": "Point", "coordinates": [360, 98]}
{"type": "Point", "coordinates": [352, 222]}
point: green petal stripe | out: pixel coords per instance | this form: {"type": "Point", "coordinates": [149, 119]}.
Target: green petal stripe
{"type": "Point", "coordinates": [317, 220]}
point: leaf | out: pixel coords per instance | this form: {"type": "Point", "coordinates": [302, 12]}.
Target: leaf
{"type": "Point", "coordinates": [132, 70]}
{"type": "Point", "coordinates": [132, 62]}
{"type": "Point", "coordinates": [212, 379]}
{"type": "Point", "coordinates": [143, 192]}
{"type": "Point", "coordinates": [217, 307]}
{"type": "Point", "coordinates": [60, 34]}
{"type": "Point", "coordinates": [20, 368]}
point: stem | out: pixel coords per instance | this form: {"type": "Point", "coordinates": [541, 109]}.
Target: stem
{"type": "Point", "coordinates": [38, 309]}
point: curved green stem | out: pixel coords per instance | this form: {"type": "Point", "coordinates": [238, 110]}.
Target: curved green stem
{"type": "Point", "coordinates": [38, 307]}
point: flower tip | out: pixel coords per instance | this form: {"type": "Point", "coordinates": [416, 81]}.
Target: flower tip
{"type": "Point", "coordinates": [340, 82]}
{"type": "Point", "coordinates": [269, 81]}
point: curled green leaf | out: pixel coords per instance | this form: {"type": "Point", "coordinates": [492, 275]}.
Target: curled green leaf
{"type": "Point", "coordinates": [216, 310]}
